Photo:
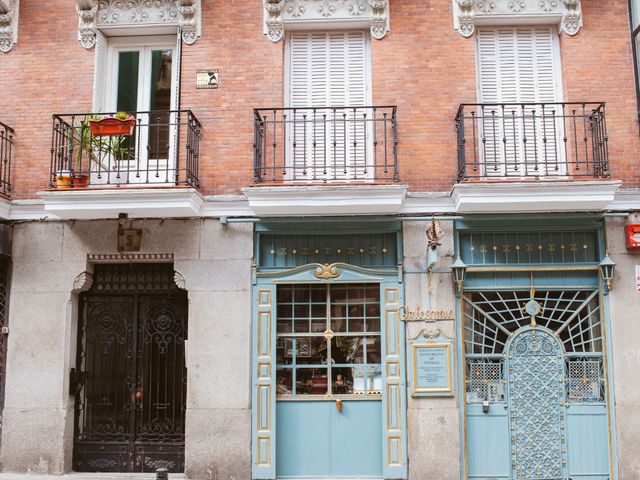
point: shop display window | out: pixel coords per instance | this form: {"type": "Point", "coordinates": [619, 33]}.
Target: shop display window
{"type": "Point", "coordinates": [328, 340]}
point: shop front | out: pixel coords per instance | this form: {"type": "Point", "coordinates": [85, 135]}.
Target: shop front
{"type": "Point", "coordinates": [328, 353]}
{"type": "Point", "coordinates": [536, 376]}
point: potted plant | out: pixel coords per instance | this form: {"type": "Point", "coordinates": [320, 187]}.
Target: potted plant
{"type": "Point", "coordinates": [86, 149]}
{"type": "Point", "coordinates": [119, 124]}
{"type": "Point", "coordinates": [79, 143]}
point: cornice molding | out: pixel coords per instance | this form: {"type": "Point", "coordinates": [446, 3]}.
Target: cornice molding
{"type": "Point", "coordinates": [8, 24]}
{"type": "Point", "coordinates": [94, 15]}
{"type": "Point", "coordinates": [469, 13]}
{"type": "Point", "coordinates": [282, 14]}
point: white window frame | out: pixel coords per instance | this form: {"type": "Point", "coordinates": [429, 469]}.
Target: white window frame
{"type": "Point", "coordinates": [142, 43]}
{"type": "Point", "coordinates": [368, 94]}
{"type": "Point", "coordinates": [123, 170]}
{"type": "Point", "coordinates": [558, 82]}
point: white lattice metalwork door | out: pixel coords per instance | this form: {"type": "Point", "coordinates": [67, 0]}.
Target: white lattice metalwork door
{"type": "Point", "coordinates": [536, 405]}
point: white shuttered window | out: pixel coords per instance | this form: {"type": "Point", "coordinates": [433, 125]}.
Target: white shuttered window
{"type": "Point", "coordinates": [519, 65]}
{"type": "Point", "coordinates": [328, 69]}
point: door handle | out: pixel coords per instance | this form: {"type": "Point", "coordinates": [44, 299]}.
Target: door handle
{"type": "Point", "coordinates": [339, 405]}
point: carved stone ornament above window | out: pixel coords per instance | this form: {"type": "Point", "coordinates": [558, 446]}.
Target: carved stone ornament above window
{"type": "Point", "coordinates": [94, 15]}
{"type": "Point", "coordinates": [282, 14]}
{"type": "Point", "coordinates": [469, 13]}
{"type": "Point", "coordinates": [8, 24]}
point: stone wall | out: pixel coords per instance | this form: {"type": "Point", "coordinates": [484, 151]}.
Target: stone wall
{"type": "Point", "coordinates": [215, 260]}
{"type": "Point", "coordinates": [624, 305]}
{"type": "Point", "coordinates": [433, 422]}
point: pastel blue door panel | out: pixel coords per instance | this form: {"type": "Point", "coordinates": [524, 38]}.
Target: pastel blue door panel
{"type": "Point", "coordinates": [588, 442]}
{"type": "Point", "coordinates": [314, 439]}
{"type": "Point", "coordinates": [488, 446]}
{"type": "Point", "coordinates": [356, 449]}
{"type": "Point", "coordinates": [303, 439]}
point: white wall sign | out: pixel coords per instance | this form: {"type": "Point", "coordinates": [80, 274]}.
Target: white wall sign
{"type": "Point", "coordinates": [637, 278]}
{"type": "Point", "coordinates": [207, 79]}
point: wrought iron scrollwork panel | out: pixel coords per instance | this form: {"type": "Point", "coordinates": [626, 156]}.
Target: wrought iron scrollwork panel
{"type": "Point", "coordinates": [537, 395]}
{"type": "Point", "coordinates": [161, 369]}
{"type": "Point", "coordinates": [130, 409]}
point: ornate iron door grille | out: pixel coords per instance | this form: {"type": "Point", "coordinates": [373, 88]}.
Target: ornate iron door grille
{"type": "Point", "coordinates": [538, 352]}
{"type": "Point", "coordinates": [131, 374]}
{"type": "Point", "coordinates": [537, 396]}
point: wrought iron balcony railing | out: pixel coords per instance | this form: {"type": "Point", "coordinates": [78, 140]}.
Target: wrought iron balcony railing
{"type": "Point", "coordinates": [325, 144]}
{"type": "Point", "coordinates": [532, 140]}
{"type": "Point", "coordinates": [162, 148]}
{"type": "Point", "coordinates": [6, 156]}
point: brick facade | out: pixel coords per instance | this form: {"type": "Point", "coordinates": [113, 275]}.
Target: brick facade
{"type": "Point", "coordinates": [423, 65]}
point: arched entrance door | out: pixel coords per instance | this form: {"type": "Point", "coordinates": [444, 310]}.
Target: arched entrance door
{"type": "Point", "coordinates": [536, 400]}
{"type": "Point", "coordinates": [130, 377]}
{"type": "Point", "coordinates": [535, 378]}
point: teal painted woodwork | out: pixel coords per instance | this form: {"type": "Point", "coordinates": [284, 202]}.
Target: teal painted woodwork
{"type": "Point", "coordinates": [373, 250]}
{"type": "Point", "coordinates": [588, 441]}
{"type": "Point", "coordinates": [478, 280]}
{"type": "Point", "coordinates": [263, 379]}
{"type": "Point", "coordinates": [279, 424]}
{"type": "Point", "coordinates": [530, 248]}
{"type": "Point", "coordinates": [317, 440]}
{"type": "Point", "coordinates": [394, 396]}
{"type": "Point", "coordinates": [488, 442]}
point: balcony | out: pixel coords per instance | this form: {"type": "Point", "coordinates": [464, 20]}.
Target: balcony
{"type": "Point", "coordinates": [325, 144]}
{"type": "Point", "coordinates": [532, 157]}
{"type": "Point", "coordinates": [523, 141]}
{"type": "Point", "coordinates": [161, 149]}
{"type": "Point", "coordinates": [6, 157]}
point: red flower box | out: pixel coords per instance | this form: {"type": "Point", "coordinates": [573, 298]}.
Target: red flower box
{"type": "Point", "coordinates": [112, 126]}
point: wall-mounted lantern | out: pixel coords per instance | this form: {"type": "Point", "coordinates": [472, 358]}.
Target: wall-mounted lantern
{"type": "Point", "coordinates": [459, 269]}
{"type": "Point", "coordinates": [607, 269]}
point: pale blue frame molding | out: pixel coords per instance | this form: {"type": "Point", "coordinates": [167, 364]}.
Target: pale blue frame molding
{"type": "Point", "coordinates": [533, 223]}
{"type": "Point", "coordinates": [394, 401]}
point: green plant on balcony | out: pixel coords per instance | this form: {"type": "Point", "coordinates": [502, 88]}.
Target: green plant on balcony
{"type": "Point", "coordinates": [86, 149]}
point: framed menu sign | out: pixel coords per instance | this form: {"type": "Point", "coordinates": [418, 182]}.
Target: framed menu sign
{"type": "Point", "coordinates": [431, 363]}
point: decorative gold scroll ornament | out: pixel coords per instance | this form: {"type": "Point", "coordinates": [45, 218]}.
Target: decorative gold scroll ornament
{"type": "Point", "coordinates": [327, 271]}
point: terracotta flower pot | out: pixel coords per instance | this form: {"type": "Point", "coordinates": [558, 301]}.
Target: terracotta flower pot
{"type": "Point", "coordinates": [64, 180]}
{"type": "Point", "coordinates": [112, 126]}
{"type": "Point", "coordinates": [80, 181]}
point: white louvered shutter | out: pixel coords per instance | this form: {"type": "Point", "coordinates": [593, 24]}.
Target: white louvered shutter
{"type": "Point", "coordinates": [517, 65]}
{"type": "Point", "coordinates": [100, 74]}
{"type": "Point", "coordinates": [327, 69]}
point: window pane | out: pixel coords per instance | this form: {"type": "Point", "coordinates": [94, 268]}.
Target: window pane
{"type": "Point", "coordinates": [311, 381]}
{"type": "Point", "coordinates": [311, 351]}
{"type": "Point", "coordinates": [373, 350]}
{"type": "Point", "coordinates": [342, 380]}
{"type": "Point", "coordinates": [284, 385]}
{"type": "Point", "coordinates": [284, 351]}
{"type": "Point", "coordinates": [347, 350]}
{"type": "Point", "coordinates": [127, 100]}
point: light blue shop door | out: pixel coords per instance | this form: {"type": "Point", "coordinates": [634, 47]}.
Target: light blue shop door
{"type": "Point", "coordinates": [535, 378]}
{"type": "Point", "coordinates": [329, 381]}
{"type": "Point", "coordinates": [316, 440]}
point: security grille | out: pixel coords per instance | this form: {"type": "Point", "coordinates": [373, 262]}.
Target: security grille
{"type": "Point", "coordinates": [485, 380]}
{"type": "Point", "coordinates": [130, 379]}
{"type": "Point", "coordinates": [586, 380]}
{"type": "Point", "coordinates": [492, 317]}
